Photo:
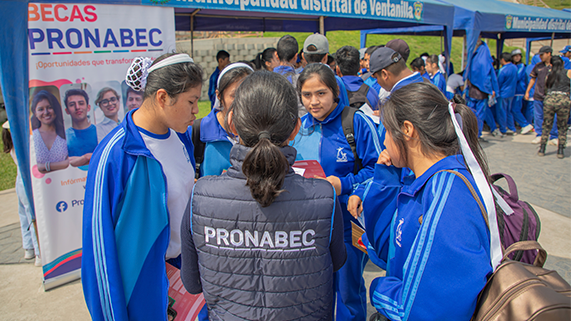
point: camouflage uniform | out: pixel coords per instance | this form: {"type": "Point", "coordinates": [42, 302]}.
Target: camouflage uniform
{"type": "Point", "coordinates": [556, 103]}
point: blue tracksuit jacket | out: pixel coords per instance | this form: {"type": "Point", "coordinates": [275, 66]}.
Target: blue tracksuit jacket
{"type": "Point", "coordinates": [521, 80]}
{"type": "Point", "coordinates": [508, 80]}
{"type": "Point", "coordinates": [353, 83]}
{"type": "Point", "coordinates": [481, 72]}
{"type": "Point", "coordinates": [372, 82]}
{"type": "Point", "coordinates": [218, 146]}
{"type": "Point", "coordinates": [126, 228]}
{"type": "Point", "coordinates": [435, 269]}
{"type": "Point", "coordinates": [325, 142]}
{"type": "Point", "coordinates": [212, 86]}
{"type": "Point", "coordinates": [439, 81]}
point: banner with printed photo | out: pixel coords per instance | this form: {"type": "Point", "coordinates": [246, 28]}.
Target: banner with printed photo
{"type": "Point", "coordinates": [78, 57]}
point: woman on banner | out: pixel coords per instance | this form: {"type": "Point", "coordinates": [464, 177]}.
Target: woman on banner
{"type": "Point", "coordinates": [48, 133]}
{"type": "Point", "coordinates": [138, 186]}
{"type": "Point", "coordinates": [427, 231]}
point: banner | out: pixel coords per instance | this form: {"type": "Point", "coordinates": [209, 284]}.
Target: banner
{"type": "Point", "coordinates": [537, 24]}
{"type": "Point", "coordinates": [78, 58]}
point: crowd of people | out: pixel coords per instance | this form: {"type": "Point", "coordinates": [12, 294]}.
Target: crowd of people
{"type": "Point", "coordinates": [218, 197]}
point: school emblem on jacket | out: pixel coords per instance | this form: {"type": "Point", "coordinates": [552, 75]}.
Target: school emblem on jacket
{"type": "Point", "coordinates": [398, 237]}
{"type": "Point", "coordinates": [341, 156]}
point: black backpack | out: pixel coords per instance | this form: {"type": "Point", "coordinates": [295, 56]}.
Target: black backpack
{"type": "Point", "coordinates": [199, 147]}
{"type": "Point", "coordinates": [358, 98]}
{"type": "Point", "coordinates": [347, 117]}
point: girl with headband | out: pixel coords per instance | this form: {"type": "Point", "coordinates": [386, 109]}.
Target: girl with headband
{"type": "Point", "coordinates": [210, 135]}
{"type": "Point", "coordinates": [138, 186]}
{"type": "Point", "coordinates": [260, 241]}
{"type": "Point", "coordinates": [428, 232]}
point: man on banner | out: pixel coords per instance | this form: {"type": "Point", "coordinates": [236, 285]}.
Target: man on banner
{"type": "Point", "coordinates": [82, 135]}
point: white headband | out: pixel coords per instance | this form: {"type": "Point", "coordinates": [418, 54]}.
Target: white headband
{"type": "Point", "coordinates": [175, 59]}
{"type": "Point", "coordinates": [217, 104]}
{"type": "Point", "coordinates": [485, 191]}
{"type": "Point", "coordinates": [142, 64]}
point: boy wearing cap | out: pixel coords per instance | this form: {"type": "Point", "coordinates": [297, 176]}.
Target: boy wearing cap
{"type": "Point", "coordinates": [566, 56]}
{"type": "Point", "coordinates": [538, 76]}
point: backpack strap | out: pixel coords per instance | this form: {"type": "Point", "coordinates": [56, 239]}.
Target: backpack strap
{"type": "Point", "coordinates": [358, 98]}
{"type": "Point", "coordinates": [199, 146]}
{"type": "Point", "coordinates": [347, 117]}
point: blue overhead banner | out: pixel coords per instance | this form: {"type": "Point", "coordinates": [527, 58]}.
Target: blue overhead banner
{"type": "Point", "coordinates": [519, 23]}
{"type": "Point", "coordinates": [399, 10]}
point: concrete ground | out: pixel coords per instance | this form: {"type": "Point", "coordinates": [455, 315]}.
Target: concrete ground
{"type": "Point", "coordinates": [543, 181]}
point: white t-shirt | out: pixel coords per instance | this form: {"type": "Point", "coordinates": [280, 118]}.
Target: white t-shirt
{"type": "Point", "coordinates": [178, 169]}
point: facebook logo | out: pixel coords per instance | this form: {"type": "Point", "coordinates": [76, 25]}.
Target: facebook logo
{"type": "Point", "coordinates": [61, 206]}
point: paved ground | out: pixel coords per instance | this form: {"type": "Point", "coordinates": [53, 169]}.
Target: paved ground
{"type": "Point", "coordinates": [544, 182]}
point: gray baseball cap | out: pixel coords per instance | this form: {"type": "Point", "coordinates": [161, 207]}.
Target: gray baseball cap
{"type": "Point", "coordinates": [516, 52]}
{"type": "Point", "coordinates": [382, 58]}
{"type": "Point", "coordinates": [316, 44]}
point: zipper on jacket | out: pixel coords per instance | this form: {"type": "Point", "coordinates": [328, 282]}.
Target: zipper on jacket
{"type": "Point", "coordinates": [319, 147]}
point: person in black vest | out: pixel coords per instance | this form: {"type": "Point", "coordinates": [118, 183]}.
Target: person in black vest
{"type": "Point", "coordinates": [260, 241]}
{"type": "Point", "coordinates": [359, 93]}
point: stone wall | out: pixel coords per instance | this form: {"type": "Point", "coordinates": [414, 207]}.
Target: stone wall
{"type": "Point", "coordinates": [205, 51]}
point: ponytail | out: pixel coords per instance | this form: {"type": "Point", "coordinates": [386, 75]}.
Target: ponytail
{"type": "Point", "coordinates": [265, 115]}
{"type": "Point", "coordinates": [265, 168]}
{"type": "Point", "coordinates": [258, 61]}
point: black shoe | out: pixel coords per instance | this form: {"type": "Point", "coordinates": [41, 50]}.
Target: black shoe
{"type": "Point", "coordinates": [560, 153]}
{"type": "Point", "coordinates": [482, 140]}
{"type": "Point", "coordinates": [541, 151]}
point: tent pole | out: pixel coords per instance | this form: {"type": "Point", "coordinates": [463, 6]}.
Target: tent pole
{"type": "Point", "coordinates": [192, 36]}
{"type": "Point", "coordinates": [321, 25]}
{"type": "Point", "coordinates": [552, 37]}
{"type": "Point", "coordinates": [463, 52]}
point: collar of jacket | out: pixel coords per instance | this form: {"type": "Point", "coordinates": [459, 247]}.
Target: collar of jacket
{"type": "Point", "coordinates": [239, 152]}
{"type": "Point", "coordinates": [310, 121]}
{"type": "Point", "coordinates": [211, 130]}
{"type": "Point", "coordinates": [133, 143]}
{"type": "Point", "coordinates": [413, 186]}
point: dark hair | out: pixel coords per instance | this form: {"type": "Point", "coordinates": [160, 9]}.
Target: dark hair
{"type": "Point", "coordinates": [231, 77]}
{"type": "Point", "coordinates": [287, 48]}
{"type": "Point", "coordinates": [432, 59]}
{"type": "Point", "coordinates": [7, 140]}
{"type": "Point", "coordinates": [54, 103]}
{"type": "Point", "coordinates": [265, 103]}
{"type": "Point", "coordinates": [426, 108]}
{"type": "Point", "coordinates": [222, 54]}
{"type": "Point", "coordinates": [174, 79]}
{"type": "Point", "coordinates": [417, 63]}
{"type": "Point", "coordinates": [371, 49]}
{"type": "Point", "coordinates": [131, 90]}
{"type": "Point", "coordinates": [507, 56]}
{"type": "Point", "coordinates": [397, 67]}
{"type": "Point", "coordinates": [263, 57]}
{"type": "Point", "coordinates": [348, 60]}
{"type": "Point", "coordinates": [424, 54]}
{"type": "Point", "coordinates": [558, 73]}
{"type": "Point", "coordinates": [75, 92]}
{"type": "Point", "coordinates": [313, 58]}
{"type": "Point", "coordinates": [102, 92]}
{"type": "Point", "coordinates": [324, 73]}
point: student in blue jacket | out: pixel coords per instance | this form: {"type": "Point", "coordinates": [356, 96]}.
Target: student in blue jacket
{"type": "Point", "coordinates": [138, 185]}
{"type": "Point", "coordinates": [436, 77]}
{"type": "Point", "coordinates": [507, 82]}
{"type": "Point", "coordinates": [213, 129]}
{"type": "Point", "coordinates": [427, 232]}
{"type": "Point", "coordinates": [321, 138]}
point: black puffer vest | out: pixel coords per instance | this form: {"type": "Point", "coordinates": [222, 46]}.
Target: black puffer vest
{"type": "Point", "coordinates": [271, 263]}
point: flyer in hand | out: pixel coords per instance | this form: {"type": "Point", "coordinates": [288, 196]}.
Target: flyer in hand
{"type": "Point", "coordinates": [183, 306]}
{"type": "Point", "coordinates": [309, 169]}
